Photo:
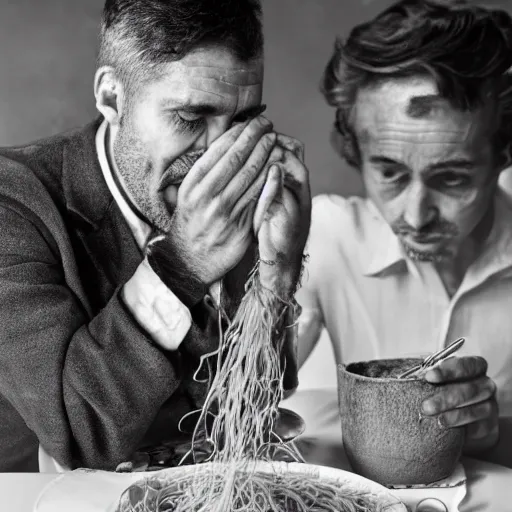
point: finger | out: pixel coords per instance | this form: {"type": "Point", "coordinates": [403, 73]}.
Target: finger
{"type": "Point", "coordinates": [270, 191]}
{"type": "Point", "coordinates": [217, 177]}
{"type": "Point", "coordinates": [486, 427]}
{"type": "Point", "coordinates": [213, 154]}
{"type": "Point", "coordinates": [456, 369]}
{"type": "Point", "coordinates": [470, 414]}
{"type": "Point", "coordinates": [459, 394]}
{"type": "Point", "coordinates": [291, 144]}
{"type": "Point", "coordinates": [296, 179]}
{"type": "Point", "coordinates": [250, 172]}
{"type": "Point", "coordinates": [277, 155]}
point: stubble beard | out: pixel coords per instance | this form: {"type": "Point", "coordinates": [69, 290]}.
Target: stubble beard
{"type": "Point", "coordinates": [136, 170]}
{"type": "Point", "coordinates": [424, 256]}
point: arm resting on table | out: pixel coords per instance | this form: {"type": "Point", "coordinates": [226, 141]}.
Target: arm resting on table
{"type": "Point", "coordinates": [89, 388]}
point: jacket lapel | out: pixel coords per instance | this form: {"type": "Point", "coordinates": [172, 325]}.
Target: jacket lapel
{"type": "Point", "coordinates": [105, 249]}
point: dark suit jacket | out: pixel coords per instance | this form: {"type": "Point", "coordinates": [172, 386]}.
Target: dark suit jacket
{"type": "Point", "coordinates": [77, 373]}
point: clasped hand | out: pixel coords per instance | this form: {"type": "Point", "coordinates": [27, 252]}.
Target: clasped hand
{"type": "Point", "coordinates": [232, 184]}
{"type": "Point", "coordinates": [466, 398]}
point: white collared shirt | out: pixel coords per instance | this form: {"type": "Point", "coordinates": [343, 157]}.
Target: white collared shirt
{"type": "Point", "coordinates": [165, 318]}
{"type": "Point", "coordinates": [377, 303]}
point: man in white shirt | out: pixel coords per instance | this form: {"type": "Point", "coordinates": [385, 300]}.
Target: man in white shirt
{"type": "Point", "coordinates": [423, 102]}
{"type": "Point", "coordinates": [114, 237]}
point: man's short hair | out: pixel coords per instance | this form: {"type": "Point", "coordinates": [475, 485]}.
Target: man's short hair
{"type": "Point", "coordinates": [138, 35]}
{"type": "Point", "coordinates": [466, 49]}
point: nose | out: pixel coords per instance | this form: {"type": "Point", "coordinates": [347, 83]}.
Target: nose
{"type": "Point", "coordinates": [420, 210]}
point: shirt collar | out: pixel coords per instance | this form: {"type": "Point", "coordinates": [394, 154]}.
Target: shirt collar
{"type": "Point", "coordinates": [386, 251]}
{"type": "Point", "coordinates": [496, 255]}
{"type": "Point", "coordinates": [141, 230]}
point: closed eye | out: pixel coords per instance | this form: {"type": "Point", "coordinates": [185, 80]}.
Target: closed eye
{"type": "Point", "coordinates": [188, 121]}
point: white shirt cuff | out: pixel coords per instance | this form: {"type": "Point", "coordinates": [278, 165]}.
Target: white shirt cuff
{"type": "Point", "coordinates": [157, 310]}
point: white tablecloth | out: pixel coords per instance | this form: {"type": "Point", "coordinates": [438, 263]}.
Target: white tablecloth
{"type": "Point", "coordinates": [489, 486]}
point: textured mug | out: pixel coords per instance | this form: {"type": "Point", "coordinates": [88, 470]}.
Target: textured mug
{"type": "Point", "coordinates": [385, 437]}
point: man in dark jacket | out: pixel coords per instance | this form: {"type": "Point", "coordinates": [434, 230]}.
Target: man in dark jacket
{"type": "Point", "coordinates": [113, 237]}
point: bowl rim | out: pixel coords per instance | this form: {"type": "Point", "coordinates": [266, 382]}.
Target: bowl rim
{"type": "Point", "coordinates": [390, 501]}
{"type": "Point", "coordinates": [342, 367]}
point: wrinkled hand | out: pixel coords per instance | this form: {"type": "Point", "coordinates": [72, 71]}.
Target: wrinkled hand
{"type": "Point", "coordinates": [466, 397]}
{"type": "Point", "coordinates": [283, 216]}
{"type": "Point", "coordinates": [211, 227]}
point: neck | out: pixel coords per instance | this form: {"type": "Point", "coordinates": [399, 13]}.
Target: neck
{"type": "Point", "coordinates": [452, 270]}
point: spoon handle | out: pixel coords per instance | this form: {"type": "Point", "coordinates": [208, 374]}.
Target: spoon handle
{"type": "Point", "coordinates": [448, 351]}
{"type": "Point", "coordinates": [435, 358]}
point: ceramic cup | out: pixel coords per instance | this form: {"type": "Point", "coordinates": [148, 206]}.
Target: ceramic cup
{"type": "Point", "coordinates": [385, 437]}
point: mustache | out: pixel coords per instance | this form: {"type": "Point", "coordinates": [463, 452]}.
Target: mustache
{"type": "Point", "coordinates": [438, 228]}
{"type": "Point", "coordinates": [179, 168]}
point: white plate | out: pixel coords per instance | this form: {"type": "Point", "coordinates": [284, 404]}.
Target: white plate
{"type": "Point", "coordinates": [99, 491]}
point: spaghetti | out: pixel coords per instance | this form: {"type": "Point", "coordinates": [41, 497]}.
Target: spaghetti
{"type": "Point", "coordinates": [243, 398]}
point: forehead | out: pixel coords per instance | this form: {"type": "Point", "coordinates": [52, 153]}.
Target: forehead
{"type": "Point", "coordinates": [382, 118]}
{"type": "Point", "coordinates": [208, 76]}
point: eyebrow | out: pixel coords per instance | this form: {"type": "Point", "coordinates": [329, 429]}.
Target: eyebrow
{"type": "Point", "coordinates": [456, 163]}
{"type": "Point", "coordinates": [206, 109]}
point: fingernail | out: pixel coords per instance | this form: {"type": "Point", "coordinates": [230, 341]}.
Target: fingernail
{"type": "Point", "coordinates": [433, 376]}
{"type": "Point", "coordinates": [428, 407]}
{"type": "Point", "coordinates": [264, 121]}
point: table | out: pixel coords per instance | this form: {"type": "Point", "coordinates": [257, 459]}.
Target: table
{"type": "Point", "coordinates": [489, 485]}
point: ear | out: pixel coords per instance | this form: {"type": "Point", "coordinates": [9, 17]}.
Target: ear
{"type": "Point", "coordinates": [109, 94]}
{"type": "Point", "coordinates": [504, 163]}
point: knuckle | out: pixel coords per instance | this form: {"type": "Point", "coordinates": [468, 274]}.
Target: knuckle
{"type": "Point", "coordinates": [268, 140]}
{"type": "Point", "coordinates": [438, 402]}
{"type": "Point", "coordinates": [489, 387]}
{"type": "Point", "coordinates": [250, 170]}
{"type": "Point", "coordinates": [217, 208]}
{"type": "Point", "coordinates": [456, 417]}
{"type": "Point", "coordinates": [451, 399]}
{"type": "Point", "coordinates": [483, 410]}
{"type": "Point", "coordinates": [449, 418]}
{"type": "Point", "coordinates": [191, 198]}
{"type": "Point", "coordinates": [473, 389]}
{"type": "Point", "coordinates": [236, 160]}
{"type": "Point", "coordinates": [257, 126]}
{"type": "Point", "coordinates": [276, 155]}
{"type": "Point", "coordinates": [479, 366]}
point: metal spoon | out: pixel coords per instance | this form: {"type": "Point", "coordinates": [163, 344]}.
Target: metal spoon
{"type": "Point", "coordinates": [288, 425]}
{"type": "Point", "coordinates": [434, 358]}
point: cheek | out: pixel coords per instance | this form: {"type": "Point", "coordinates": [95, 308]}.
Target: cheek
{"type": "Point", "coordinates": [389, 201]}
{"type": "Point", "coordinates": [160, 138]}
{"type": "Point", "coordinates": [466, 210]}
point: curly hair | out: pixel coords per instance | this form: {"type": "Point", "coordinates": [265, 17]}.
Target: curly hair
{"type": "Point", "coordinates": [466, 49]}
{"type": "Point", "coordinates": [138, 35]}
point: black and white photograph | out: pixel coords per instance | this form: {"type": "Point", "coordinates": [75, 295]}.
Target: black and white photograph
{"type": "Point", "coordinates": [256, 255]}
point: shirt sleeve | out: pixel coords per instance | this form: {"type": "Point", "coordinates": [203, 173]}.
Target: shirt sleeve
{"type": "Point", "coordinates": [156, 308]}
{"type": "Point", "coordinates": [311, 322]}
